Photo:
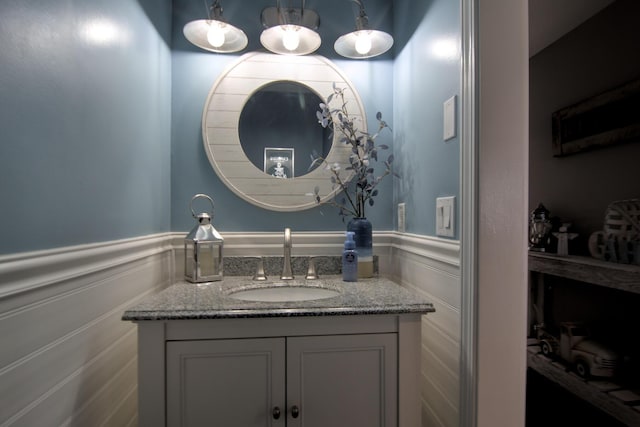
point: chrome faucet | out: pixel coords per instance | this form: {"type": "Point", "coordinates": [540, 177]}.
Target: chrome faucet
{"type": "Point", "coordinates": [287, 274]}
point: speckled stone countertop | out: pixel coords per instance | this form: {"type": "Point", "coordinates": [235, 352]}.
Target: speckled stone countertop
{"type": "Point", "coordinates": [215, 301]}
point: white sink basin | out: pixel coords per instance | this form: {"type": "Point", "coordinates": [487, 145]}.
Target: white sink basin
{"type": "Point", "coordinates": [284, 294]}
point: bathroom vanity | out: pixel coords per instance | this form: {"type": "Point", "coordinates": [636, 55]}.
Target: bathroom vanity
{"type": "Point", "coordinates": [283, 353]}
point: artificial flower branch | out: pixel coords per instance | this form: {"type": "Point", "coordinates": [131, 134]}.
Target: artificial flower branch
{"type": "Point", "coordinates": [363, 150]}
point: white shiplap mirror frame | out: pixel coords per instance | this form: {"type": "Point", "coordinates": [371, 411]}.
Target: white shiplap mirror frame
{"type": "Point", "coordinates": [221, 116]}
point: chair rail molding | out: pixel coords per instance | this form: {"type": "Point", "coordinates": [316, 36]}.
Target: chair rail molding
{"type": "Point", "coordinates": [28, 271]}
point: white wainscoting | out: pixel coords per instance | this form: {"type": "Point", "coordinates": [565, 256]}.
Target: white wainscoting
{"type": "Point", "coordinates": [67, 359]}
{"type": "Point", "coordinates": [431, 267]}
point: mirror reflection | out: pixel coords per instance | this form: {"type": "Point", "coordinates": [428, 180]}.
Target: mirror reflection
{"type": "Point", "coordinates": [272, 108]}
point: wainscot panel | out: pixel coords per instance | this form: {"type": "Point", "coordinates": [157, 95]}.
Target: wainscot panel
{"type": "Point", "coordinates": [71, 360]}
{"type": "Point", "coordinates": [431, 266]}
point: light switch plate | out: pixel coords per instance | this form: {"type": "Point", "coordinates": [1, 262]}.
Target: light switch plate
{"type": "Point", "coordinates": [401, 217]}
{"type": "Point", "coordinates": [445, 216]}
{"type": "Point", "coordinates": [449, 118]}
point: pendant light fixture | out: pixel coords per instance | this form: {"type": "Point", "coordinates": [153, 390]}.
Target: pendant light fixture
{"type": "Point", "coordinates": [363, 42]}
{"type": "Point", "coordinates": [214, 34]}
{"type": "Point", "coordinates": [290, 31]}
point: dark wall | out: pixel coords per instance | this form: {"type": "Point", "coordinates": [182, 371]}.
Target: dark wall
{"type": "Point", "coordinates": [597, 56]}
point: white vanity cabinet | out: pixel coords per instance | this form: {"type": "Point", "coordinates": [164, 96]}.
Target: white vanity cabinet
{"type": "Point", "coordinates": [311, 381]}
{"type": "Point", "coordinates": [311, 371]}
{"type": "Point", "coordinates": [226, 382]}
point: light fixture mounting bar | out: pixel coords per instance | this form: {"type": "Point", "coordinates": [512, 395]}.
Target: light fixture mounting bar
{"type": "Point", "coordinates": [362, 20]}
{"type": "Point", "coordinates": [215, 11]}
{"type": "Point", "coordinates": [273, 16]}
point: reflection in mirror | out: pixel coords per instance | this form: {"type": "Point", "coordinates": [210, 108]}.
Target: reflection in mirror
{"type": "Point", "coordinates": [270, 110]}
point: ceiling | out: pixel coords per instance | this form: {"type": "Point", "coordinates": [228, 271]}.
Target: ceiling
{"type": "Point", "coordinates": [551, 19]}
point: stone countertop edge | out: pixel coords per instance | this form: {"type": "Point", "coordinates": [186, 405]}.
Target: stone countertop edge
{"type": "Point", "coordinates": [189, 301]}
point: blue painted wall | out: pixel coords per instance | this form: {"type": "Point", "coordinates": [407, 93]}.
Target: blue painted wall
{"type": "Point", "coordinates": [409, 90]}
{"type": "Point", "coordinates": [194, 73]}
{"type": "Point", "coordinates": [84, 121]}
{"type": "Point", "coordinates": [101, 136]}
{"type": "Point", "coordinates": [427, 72]}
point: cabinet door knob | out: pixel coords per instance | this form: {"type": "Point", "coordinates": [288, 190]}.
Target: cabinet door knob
{"type": "Point", "coordinates": [276, 413]}
{"type": "Point", "coordinates": [295, 412]}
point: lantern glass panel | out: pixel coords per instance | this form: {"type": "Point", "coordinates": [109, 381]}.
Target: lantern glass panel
{"type": "Point", "coordinates": [208, 259]}
{"type": "Point", "coordinates": [189, 261]}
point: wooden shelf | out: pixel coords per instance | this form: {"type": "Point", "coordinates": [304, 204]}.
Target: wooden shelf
{"type": "Point", "coordinates": [624, 277]}
{"type": "Point", "coordinates": [612, 398]}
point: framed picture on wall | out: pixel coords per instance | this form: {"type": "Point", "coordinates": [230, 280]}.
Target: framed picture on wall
{"type": "Point", "coordinates": [602, 120]}
{"type": "Point", "coordinates": [278, 162]}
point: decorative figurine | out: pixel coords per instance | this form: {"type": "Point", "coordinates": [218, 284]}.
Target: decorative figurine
{"type": "Point", "coordinates": [563, 237]}
{"type": "Point", "coordinates": [574, 344]}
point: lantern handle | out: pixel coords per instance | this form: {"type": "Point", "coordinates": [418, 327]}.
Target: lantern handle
{"type": "Point", "coordinates": [197, 196]}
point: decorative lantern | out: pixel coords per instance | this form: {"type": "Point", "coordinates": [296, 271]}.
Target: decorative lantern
{"type": "Point", "coordinates": [203, 248]}
{"type": "Point", "coordinates": [539, 229]}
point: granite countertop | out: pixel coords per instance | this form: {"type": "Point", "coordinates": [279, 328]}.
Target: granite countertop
{"type": "Point", "coordinates": [214, 301]}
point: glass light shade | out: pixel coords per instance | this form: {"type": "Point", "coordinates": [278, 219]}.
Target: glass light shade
{"type": "Point", "coordinates": [363, 44]}
{"type": "Point", "coordinates": [215, 36]}
{"type": "Point", "coordinates": [281, 39]}
{"type": "Point", "coordinates": [290, 31]}
{"type": "Point", "coordinates": [290, 38]}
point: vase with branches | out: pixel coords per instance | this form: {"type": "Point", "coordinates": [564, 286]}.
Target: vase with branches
{"type": "Point", "coordinates": [358, 183]}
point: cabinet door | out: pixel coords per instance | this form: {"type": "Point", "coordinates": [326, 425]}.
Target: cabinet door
{"type": "Point", "coordinates": [342, 381]}
{"type": "Point", "coordinates": [226, 383]}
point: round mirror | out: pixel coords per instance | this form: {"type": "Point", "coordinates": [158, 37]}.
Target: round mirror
{"type": "Point", "coordinates": [269, 144]}
{"type": "Point", "coordinates": [272, 108]}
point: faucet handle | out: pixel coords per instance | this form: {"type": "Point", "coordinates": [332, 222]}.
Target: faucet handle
{"type": "Point", "coordinates": [259, 274]}
{"type": "Point", "coordinates": [312, 273]}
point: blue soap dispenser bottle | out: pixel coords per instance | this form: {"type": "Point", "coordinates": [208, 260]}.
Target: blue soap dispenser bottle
{"type": "Point", "coordinates": [350, 259]}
